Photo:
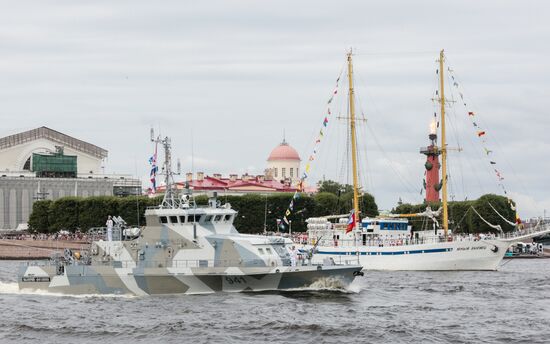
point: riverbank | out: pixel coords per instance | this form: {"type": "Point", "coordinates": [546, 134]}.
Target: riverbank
{"type": "Point", "coordinates": [15, 249]}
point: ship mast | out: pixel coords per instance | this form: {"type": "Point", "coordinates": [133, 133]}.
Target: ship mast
{"type": "Point", "coordinates": [353, 141]}
{"type": "Point", "coordinates": [443, 144]}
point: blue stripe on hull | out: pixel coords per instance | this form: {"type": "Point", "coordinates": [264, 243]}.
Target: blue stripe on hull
{"type": "Point", "coordinates": [395, 253]}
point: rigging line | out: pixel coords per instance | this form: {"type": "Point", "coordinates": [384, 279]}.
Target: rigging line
{"type": "Point", "coordinates": [400, 178]}
{"type": "Point", "coordinates": [513, 224]}
{"type": "Point", "coordinates": [497, 227]}
{"type": "Point", "coordinates": [463, 217]}
{"type": "Point", "coordinates": [495, 138]}
{"type": "Point", "coordinates": [480, 156]}
{"type": "Point", "coordinates": [375, 110]}
{"type": "Point", "coordinates": [395, 53]}
{"type": "Point", "coordinates": [455, 132]}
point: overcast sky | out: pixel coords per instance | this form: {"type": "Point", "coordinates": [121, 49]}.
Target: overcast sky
{"type": "Point", "coordinates": [230, 76]}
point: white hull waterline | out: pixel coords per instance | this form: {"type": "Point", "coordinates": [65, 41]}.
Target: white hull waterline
{"type": "Point", "coordinates": [460, 254]}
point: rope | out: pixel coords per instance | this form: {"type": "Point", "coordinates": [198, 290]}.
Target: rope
{"type": "Point", "coordinates": [502, 217]}
{"type": "Point", "coordinates": [497, 227]}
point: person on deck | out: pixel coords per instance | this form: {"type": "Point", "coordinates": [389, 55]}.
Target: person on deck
{"type": "Point", "coordinates": [109, 228]}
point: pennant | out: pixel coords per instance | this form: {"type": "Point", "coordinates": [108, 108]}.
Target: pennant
{"type": "Point", "coordinates": [291, 206]}
{"type": "Point", "coordinates": [493, 163]}
{"type": "Point", "coordinates": [480, 133]}
{"type": "Point", "coordinates": [307, 168]}
{"type": "Point", "coordinates": [461, 95]}
{"type": "Point", "coordinates": [318, 140]}
{"type": "Point", "coordinates": [328, 111]}
{"type": "Point", "coordinates": [325, 122]}
{"type": "Point", "coordinates": [330, 100]}
{"type": "Point", "coordinates": [287, 213]}
{"type": "Point", "coordinates": [311, 158]}
{"type": "Point", "coordinates": [487, 151]}
{"type": "Point", "coordinates": [475, 124]}
{"type": "Point", "coordinates": [470, 113]}
{"type": "Point", "coordinates": [321, 133]}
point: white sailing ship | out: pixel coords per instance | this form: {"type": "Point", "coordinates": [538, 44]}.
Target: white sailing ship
{"type": "Point", "coordinates": [388, 243]}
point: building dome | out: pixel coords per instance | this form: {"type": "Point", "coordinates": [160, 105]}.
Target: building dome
{"type": "Point", "coordinates": [284, 152]}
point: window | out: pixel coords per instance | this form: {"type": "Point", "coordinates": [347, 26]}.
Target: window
{"type": "Point", "coordinates": [267, 250]}
{"type": "Point", "coordinates": [261, 250]}
{"type": "Point", "coordinates": [183, 219]}
{"type": "Point", "coordinates": [275, 172]}
{"type": "Point", "coordinates": [291, 172]}
{"type": "Point", "coordinates": [208, 218]}
{"type": "Point", "coordinates": [195, 218]}
{"type": "Point", "coordinates": [218, 218]}
{"type": "Point", "coordinates": [163, 219]}
{"type": "Point", "coordinates": [283, 172]}
{"type": "Point", "coordinates": [174, 219]}
{"type": "Point", "coordinates": [227, 218]}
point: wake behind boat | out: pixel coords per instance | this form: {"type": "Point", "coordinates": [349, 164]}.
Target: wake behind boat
{"type": "Point", "coordinates": [183, 249]}
{"type": "Point", "coordinates": [388, 243]}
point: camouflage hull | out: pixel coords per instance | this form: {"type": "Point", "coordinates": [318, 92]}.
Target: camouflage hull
{"type": "Point", "coordinates": [78, 280]}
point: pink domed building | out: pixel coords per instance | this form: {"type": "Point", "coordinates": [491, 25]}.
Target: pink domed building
{"type": "Point", "coordinates": [284, 163]}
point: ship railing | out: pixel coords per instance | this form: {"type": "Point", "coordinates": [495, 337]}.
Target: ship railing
{"type": "Point", "coordinates": [383, 242]}
{"type": "Point", "coordinates": [206, 263]}
{"type": "Point", "coordinates": [525, 231]}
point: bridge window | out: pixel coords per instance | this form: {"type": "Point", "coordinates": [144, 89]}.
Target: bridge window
{"type": "Point", "coordinates": [218, 218]}
{"type": "Point", "coordinates": [227, 218]}
{"type": "Point", "coordinates": [183, 219]}
{"type": "Point", "coordinates": [208, 218]}
{"type": "Point", "coordinates": [261, 250]}
{"type": "Point", "coordinates": [174, 219]}
{"type": "Point", "coordinates": [195, 218]}
{"type": "Point", "coordinates": [267, 250]}
{"type": "Point", "coordinates": [163, 219]}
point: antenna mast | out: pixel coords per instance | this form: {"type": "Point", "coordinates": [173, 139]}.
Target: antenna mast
{"type": "Point", "coordinates": [170, 199]}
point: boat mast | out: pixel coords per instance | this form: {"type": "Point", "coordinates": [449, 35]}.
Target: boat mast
{"type": "Point", "coordinates": [443, 143]}
{"type": "Point", "coordinates": [170, 198]}
{"type": "Point", "coordinates": [353, 141]}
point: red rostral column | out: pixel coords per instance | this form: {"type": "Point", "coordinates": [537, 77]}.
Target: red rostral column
{"type": "Point", "coordinates": [432, 183]}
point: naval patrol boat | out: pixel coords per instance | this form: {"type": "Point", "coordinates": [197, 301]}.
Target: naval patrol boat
{"type": "Point", "coordinates": [184, 249]}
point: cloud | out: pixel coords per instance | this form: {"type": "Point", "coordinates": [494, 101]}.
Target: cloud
{"type": "Point", "coordinates": [235, 75]}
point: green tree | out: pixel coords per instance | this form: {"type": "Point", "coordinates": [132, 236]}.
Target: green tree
{"type": "Point", "coordinates": [38, 220]}
{"type": "Point", "coordinates": [334, 187]}
{"type": "Point", "coordinates": [63, 214]}
{"type": "Point", "coordinates": [326, 203]}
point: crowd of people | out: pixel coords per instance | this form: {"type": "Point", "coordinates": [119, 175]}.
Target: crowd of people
{"type": "Point", "coordinates": [61, 235]}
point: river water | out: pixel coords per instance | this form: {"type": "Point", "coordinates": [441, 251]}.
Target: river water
{"type": "Point", "coordinates": [511, 305]}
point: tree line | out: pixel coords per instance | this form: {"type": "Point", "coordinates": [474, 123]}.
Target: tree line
{"type": "Point", "coordinates": [463, 218]}
{"type": "Point", "coordinates": [254, 211]}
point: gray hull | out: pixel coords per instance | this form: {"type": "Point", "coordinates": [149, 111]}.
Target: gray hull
{"type": "Point", "coordinates": [78, 280]}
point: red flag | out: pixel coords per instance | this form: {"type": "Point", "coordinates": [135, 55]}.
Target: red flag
{"type": "Point", "coordinates": [351, 221]}
{"type": "Point", "coordinates": [470, 113]}
{"type": "Point", "coordinates": [480, 133]}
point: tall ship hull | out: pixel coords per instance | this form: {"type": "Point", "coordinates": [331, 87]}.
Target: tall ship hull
{"type": "Point", "coordinates": [459, 255]}
{"type": "Point", "coordinates": [380, 248]}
